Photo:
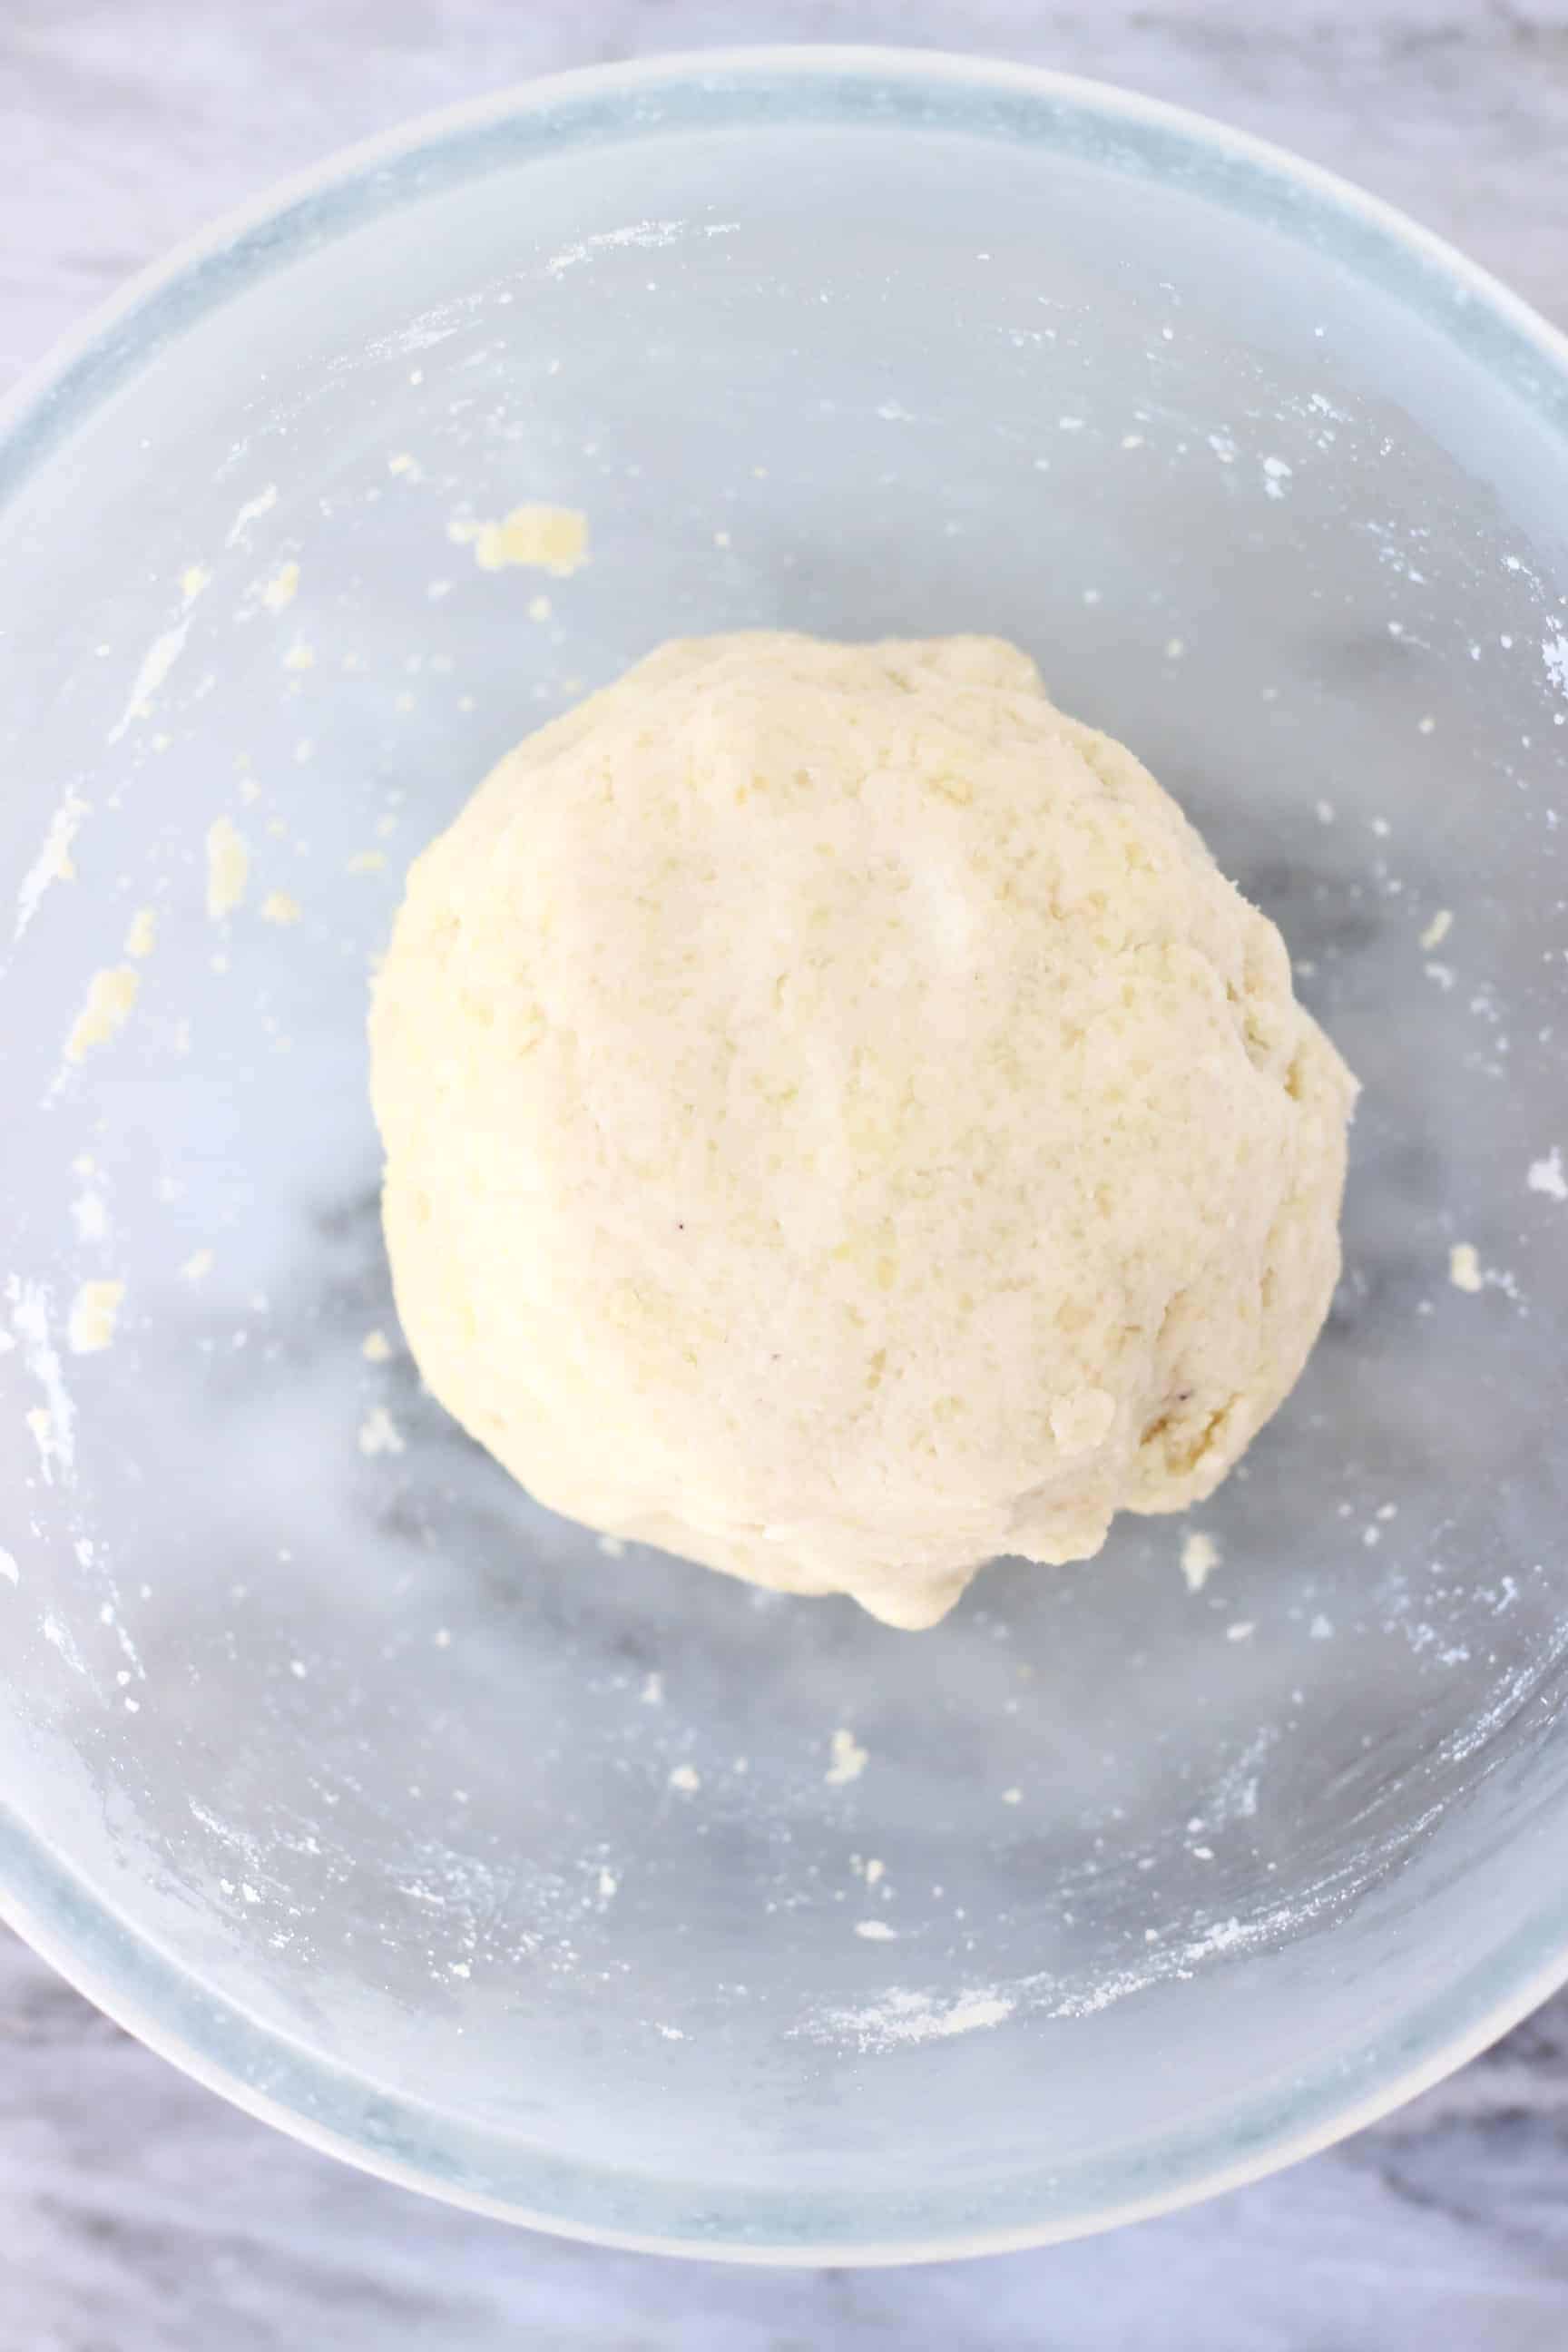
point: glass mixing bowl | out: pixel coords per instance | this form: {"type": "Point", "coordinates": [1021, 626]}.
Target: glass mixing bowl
{"type": "Point", "coordinates": [585, 1887]}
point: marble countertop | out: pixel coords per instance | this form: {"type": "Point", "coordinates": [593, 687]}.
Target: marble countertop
{"type": "Point", "coordinates": [143, 2215]}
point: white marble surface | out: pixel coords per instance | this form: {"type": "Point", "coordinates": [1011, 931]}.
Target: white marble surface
{"type": "Point", "coordinates": [140, 2214]}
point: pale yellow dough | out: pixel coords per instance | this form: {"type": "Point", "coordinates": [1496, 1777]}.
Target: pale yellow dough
{"type": "Point", "coordinates": [841, 1125]}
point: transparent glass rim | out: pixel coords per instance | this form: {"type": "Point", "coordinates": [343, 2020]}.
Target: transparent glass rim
{"type": "Point", "coordinates": [79, 1932]}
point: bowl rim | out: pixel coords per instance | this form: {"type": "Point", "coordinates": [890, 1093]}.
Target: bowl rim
{"type": "Point", "coordinates": [77, 1930]}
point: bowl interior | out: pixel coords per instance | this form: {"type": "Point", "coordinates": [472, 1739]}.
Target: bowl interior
{"type": "Point", "coordinates": [537, 1872]}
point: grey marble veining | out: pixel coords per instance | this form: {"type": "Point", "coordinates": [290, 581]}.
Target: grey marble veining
{"type": "Point", "coordinates": [143, 2215]}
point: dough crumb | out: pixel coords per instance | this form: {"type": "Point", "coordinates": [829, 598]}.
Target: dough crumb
{"type": "Point", "coordinates": [282, 587]}
{"type": "Point", "coordinates": [142, 936]}
{"type": "Point", "coordinates": [379, 1433]}
{"type": "Point", "coordinates": [876, 1931]}
{"type": "Point", "coordinates": [95, 1310]}
{"type": "Point", "coordinates": [1200, 1557]}
{"type": "Point", "coordinates": [376, 1347]}
{"type": "Point", "coordinates": [300, 655]}
{"type": "Point", "coordinates": [1437, 930]}
{"type": "Point", "coordinates": [686, 1778]}
{"type": "Point", "coordinates": [554, 538]}
{"type": "Point", "coordinates": [228, 869]}
{"type": "Point", "coordinates": [849, 1760]}
{"type": "Point", "coordinates": [111, 996]}
{"type": "Point", "coordinates": [1465, 1267]}
{"type": "Point", "coordinates": [367, 861]}
{"type": "Point", "coordinates": [1547, 1176]}
{"type": "Point", "coordinates": [198, 1266]}
{"type": "Point", "coordinates": [279, 908]}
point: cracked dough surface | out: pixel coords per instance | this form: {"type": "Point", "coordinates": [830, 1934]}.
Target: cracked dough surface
{"type": "Point", "coordinates": [841, 1125]}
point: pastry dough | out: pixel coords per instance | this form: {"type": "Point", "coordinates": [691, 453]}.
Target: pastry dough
{"type": "Point", "coordinates": [841, 1125]}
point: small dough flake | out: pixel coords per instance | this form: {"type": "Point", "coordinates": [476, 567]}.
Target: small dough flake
{"type": "Point", "coordinates": [551, 538]}
{"type": "Point", "coordinates": [1465, 1267]}
{"type": "Point", "coordinates": [111, 994]}
{"type": "Point", "coordinates": [279, 908]}
{"type": "Point", "coordinates": [1200, 1557]}
{"type": "Point", "coordinates": [95, 1311]}
{"type": "Point", "coordinates": [228, 869]}
{"type": "Point", "coordinates": [842, 1125]}
{"type": "Point", "coordinates": [376, 1347]}
{"type": "Point", "coordinates": [280, 590]}
{"type": "Point", "coordinates": [379, 1433]}
{"type": "Point", "coordinates": [142, 936]}
{"type": "Point", "coordinates": [849, 1760]}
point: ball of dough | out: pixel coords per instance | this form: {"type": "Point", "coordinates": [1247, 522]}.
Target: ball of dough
{"type": "Point", "coordinates": [841, 1125]}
